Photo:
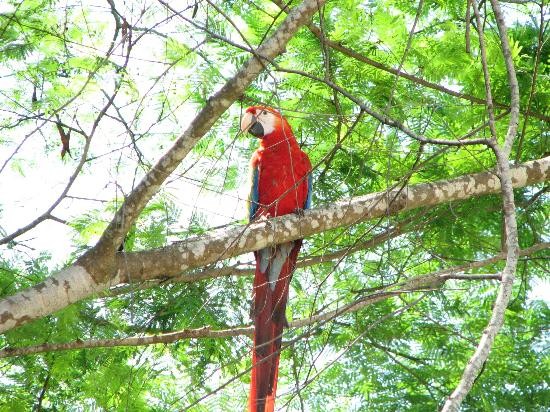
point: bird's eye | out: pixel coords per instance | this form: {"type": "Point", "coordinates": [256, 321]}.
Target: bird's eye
{"type": "Point", "coordinates": [264, 112]}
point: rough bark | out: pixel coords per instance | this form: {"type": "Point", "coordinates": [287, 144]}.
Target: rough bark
{"type": "Point", "coordinates": [238, 270]}
{"type": "Point", "coordinates": [59, 290]}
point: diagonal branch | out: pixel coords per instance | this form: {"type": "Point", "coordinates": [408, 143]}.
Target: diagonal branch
{"type": "Point", "coordinates": [93, 270]}
{"type": "Point", "coordinates": [217, 245]}
{"type": "Point", "coordinates": [245, 269]}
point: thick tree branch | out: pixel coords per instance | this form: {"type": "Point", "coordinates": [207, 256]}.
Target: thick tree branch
{"type": "Point", "coordinates": [239, 270]}
{"type": "Point", "coordinates": [57, 291]}
{"type": "Point", "coordinates": [246, 269]}
{"type": "Point", "coordinates": [418, 283]}
{"type": "Point", "coordinates": [212, 248]}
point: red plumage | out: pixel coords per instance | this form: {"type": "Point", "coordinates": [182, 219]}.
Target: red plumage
{"type": "Point", "coordinates": [281, 185]}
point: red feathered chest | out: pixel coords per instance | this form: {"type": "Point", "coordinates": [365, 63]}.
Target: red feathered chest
{"type": "Point", "coordinates": [282, 178]}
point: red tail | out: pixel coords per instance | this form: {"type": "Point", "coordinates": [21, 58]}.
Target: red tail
{"type": "Point", "coordinates": [274, 268]}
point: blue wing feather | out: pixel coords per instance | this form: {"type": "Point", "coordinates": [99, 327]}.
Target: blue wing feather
{"type": "Point", "coordinates": [309, 190]}
{"type": "Point", "coordinates": [254, 196]}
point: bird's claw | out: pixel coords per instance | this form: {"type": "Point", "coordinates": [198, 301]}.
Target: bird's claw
{"type": "Point", "coordinates": [265, 219]}
{"type": "Point", "coordinates": [299, 212]}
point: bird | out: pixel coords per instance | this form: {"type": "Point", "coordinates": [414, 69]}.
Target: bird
{"type": "Point", "coordinates": [281, 183]}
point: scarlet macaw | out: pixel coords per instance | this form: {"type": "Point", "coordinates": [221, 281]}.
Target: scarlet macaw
{"type": "Point", "coordinates": [281, 184]}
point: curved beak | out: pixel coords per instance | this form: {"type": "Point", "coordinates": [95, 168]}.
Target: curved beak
{"type": "Point", "coordinates": [248, 120]}
{"type": "Point", "coordinates": [250, 124]}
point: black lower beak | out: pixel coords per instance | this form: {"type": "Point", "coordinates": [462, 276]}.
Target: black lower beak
{"type": "Point", "coordinates": [256, 130]}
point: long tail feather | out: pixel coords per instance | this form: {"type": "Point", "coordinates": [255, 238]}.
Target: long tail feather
{"type": "Point", "coordinates": [274, 268]}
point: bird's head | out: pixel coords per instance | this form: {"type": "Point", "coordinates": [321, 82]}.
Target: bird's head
{"type": "Point", "coordinates": [267, 124]}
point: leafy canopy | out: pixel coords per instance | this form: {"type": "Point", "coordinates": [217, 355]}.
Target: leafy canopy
{"type": "Point", "coordinates": [66, 59]}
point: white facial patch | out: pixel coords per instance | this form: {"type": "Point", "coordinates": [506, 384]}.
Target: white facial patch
{"type": "Point", "coordinates": [267, 120]}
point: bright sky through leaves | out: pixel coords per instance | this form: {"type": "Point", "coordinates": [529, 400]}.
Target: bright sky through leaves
{"type": "Point", "coordinates": [405, 352]}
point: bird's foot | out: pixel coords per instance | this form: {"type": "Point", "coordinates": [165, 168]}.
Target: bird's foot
{"type": "Point", "coordinates": [265, 219]}
{"type": "Point", "coordinates": [299, 212]}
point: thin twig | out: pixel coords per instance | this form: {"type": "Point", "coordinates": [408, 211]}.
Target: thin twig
{"type": "Point", "coordinates": [463, 141]}
{"type": "Point", "coordinates": [486, 75]}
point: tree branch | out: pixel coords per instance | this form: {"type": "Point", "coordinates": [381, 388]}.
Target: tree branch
{"type": "Point", "coordinates": [102, 255]}
{"type": "Point", "coordinates": [208, 249]}
{"type": "Point", "coordinates": [93, 270]}
{"type": "Point", "coordinates": [434, 86]}
{"type": "Point", "coordinates": [540, 43]}
{"type": "Point", "coordinates": [384, 119]}
{"type": "Point", "coordinates": [58, 291]}
{"type": "Point", "coordinates": [246, 268]}
{"type": "Point", "coordinates": [478, 359]}
{"type": "Point", "coordinates": [418, 283]}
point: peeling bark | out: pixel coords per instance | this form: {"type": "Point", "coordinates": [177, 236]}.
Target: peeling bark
{"type": "Point", "coordinates": [75, 282]}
